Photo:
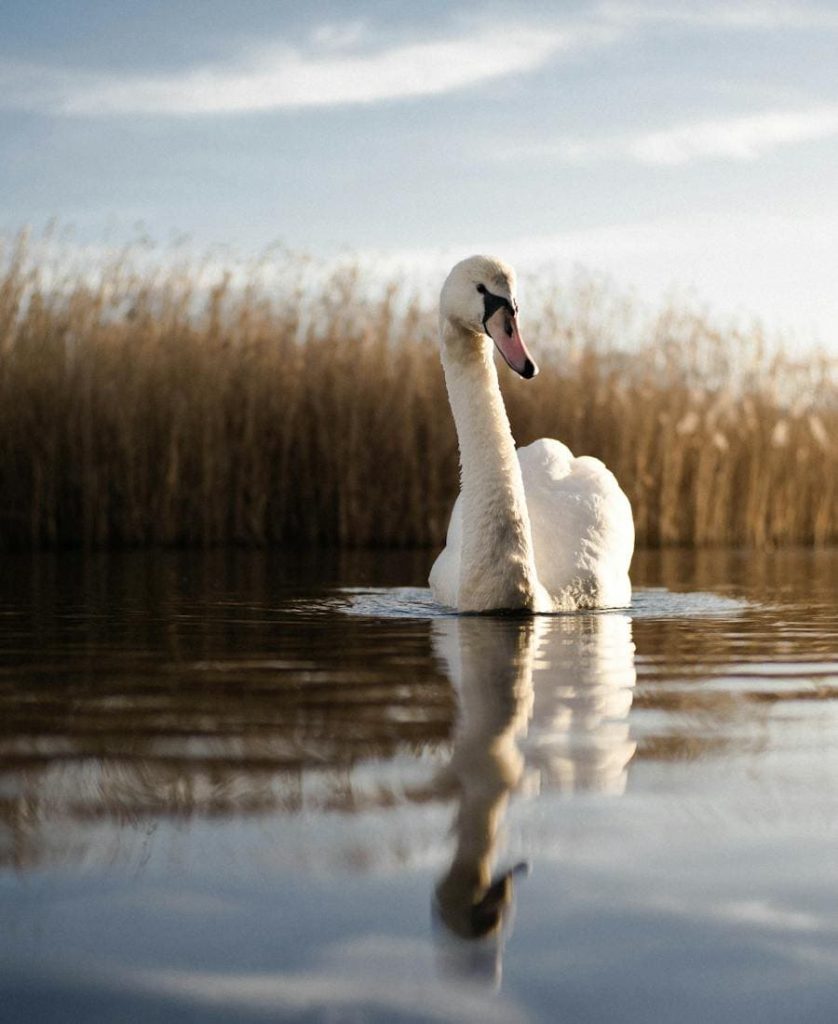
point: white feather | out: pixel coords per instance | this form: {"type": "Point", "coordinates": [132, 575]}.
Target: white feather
{"type": "Point", "coordinates": [543, 532]}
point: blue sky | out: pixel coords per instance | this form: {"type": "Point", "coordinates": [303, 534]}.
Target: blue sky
{"type": "Point", "coordinates": [692, 145]}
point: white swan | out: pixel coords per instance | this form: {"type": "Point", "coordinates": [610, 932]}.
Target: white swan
{"type": "Point", "coordinates": [542, 532]}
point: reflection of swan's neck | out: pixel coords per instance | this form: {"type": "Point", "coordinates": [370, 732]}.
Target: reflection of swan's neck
{"type": "Point", "coordinates": [493, 668]}
{"type": "Point", "coordinates": [497, 569]}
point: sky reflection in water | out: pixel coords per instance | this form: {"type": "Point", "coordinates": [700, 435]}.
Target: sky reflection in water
{"type": "Point", "coordinates": [232, 788]}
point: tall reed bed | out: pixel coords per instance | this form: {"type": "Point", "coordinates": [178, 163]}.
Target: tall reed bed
{"type": "Point", "coordinates": [145, 403]}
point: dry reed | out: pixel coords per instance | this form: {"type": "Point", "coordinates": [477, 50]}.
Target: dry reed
{"type": "Point", "coordinates": [140, 405]}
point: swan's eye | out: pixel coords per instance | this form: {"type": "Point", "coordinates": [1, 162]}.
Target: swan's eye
{"type": "Point", "coordinates": [482, 289]}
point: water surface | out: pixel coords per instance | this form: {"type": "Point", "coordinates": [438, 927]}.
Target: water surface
{"type": "Point", "coordinates": [249, 786]}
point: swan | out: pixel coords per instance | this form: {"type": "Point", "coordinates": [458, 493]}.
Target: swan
{"type": "Point", "coordinates": [536, 530]}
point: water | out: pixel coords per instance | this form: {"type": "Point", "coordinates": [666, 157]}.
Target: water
{"type": "Point", "coordinates": [244, 787]}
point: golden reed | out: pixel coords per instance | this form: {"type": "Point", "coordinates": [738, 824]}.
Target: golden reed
{"type": "Point", "coordinates": [138, 406]}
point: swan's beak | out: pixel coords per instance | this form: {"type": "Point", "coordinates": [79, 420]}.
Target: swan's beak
{"type": "Point", "coordinates": [502, 328]}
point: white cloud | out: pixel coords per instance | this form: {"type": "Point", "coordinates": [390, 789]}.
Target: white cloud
{"type": "Point", "coordinates": [384, 977]}
{"type": "Point", "coordinates": [341, 65]}
{"type": "Point", "coordinates": [746, 15]}
{"type": "Point", "coordinates": [737, 138]}
{"type": "Point", "coordinates": [734, 138]}
{"type": "Point", "coordinates": [337, 70]}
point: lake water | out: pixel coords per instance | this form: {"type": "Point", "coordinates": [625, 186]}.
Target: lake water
{"type": "Point", "coordinates": [246, 786]}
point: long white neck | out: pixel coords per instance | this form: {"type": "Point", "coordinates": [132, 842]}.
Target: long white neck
{"type": "Point", "coordinates": [497, 568]}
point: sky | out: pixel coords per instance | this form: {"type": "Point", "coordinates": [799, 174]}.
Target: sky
{"type": "Point", "coordinates": [686, 147]}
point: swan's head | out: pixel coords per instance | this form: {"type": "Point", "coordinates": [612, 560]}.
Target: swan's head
{"type": "Point", "coordinates": [479, 297]}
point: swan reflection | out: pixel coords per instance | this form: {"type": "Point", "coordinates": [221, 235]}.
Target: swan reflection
{"type": "Point", "coordinates": [583, 685]}
{"type": "Point", "coordinates": [543, 704]}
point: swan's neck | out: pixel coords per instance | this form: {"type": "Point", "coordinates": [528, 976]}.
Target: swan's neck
{"type": "Point", "coordinates": [497, 568]}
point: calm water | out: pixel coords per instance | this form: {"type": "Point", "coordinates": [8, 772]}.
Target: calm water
{"type": "Point", "coordinates": [246, 787]}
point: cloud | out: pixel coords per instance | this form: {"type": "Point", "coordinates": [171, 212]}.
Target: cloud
{"type": "Point", "coordinates": [750, 15]}
{"type": "Point", "coordinates": [340, 63]}
{"type": "Point", "coordinates": [386, 977]}
{"type": "Point", "coordinates": [737, 138]}
{"type": "Point", "coordinates": [336, 69]}
{"type": "Point", "coordinates": [734, 138]}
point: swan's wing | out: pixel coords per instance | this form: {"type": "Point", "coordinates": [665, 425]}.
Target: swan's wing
{"type": "Point", "coordinates": [583, 531]}
{"type": "Point", "coordinates": [582, 526]}
{"type": "Point", "coordinates": [444, 579]}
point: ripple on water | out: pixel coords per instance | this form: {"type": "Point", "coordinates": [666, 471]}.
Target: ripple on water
{"type": "Point", "coordinates": [418, 603]}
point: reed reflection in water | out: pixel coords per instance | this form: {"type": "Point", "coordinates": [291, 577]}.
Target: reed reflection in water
{"type": "Point", "coordinates": [117, 716]}
{"type": "Point", "coordinates": [228, 786]}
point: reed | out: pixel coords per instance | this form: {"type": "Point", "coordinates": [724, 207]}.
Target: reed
{"type": "Point", "coordinates": [145, 402]}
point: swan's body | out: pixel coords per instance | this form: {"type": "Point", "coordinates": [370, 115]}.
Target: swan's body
{"type": "Point", "coordinates": [535, 530]}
